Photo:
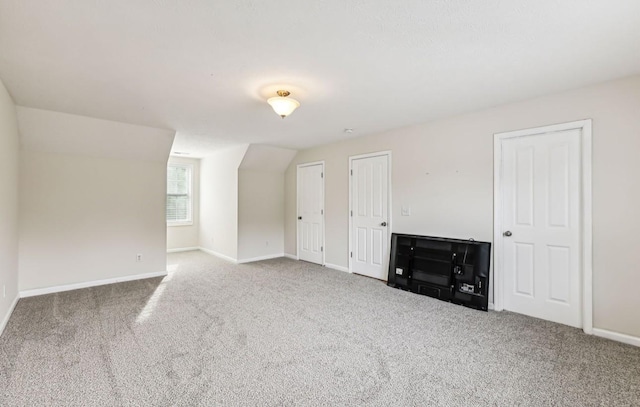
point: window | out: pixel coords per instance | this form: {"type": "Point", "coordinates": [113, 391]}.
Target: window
{"type": "Point", "coordinates": [179, 194]}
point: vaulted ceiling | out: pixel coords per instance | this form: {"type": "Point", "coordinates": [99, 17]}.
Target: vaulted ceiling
{"type": "Point", "coordinates": [205, 68]}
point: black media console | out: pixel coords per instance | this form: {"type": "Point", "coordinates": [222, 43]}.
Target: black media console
{"type": "Point", "coordinates": [448, 269]}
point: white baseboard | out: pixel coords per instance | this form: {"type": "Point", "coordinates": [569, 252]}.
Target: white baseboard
{"type": "Point", "coordinates": [95, 283]}
{"type": "Point", "coordinates": [182, 249]}
{"type": "Point", "coordinates": [267, 257]}
{"type": "Point", "coordinates": [5, 320]}
{"type": "Point", "coordinates": [291, 256]}
{"type": "Point", "coordinates": [491, 306]}
{"type": "Point", "coordinates": [220, 255]}
{"type": "Point", "coordinates": [615, 336]}
{"type": "Point", "coordinates": [336, 267]}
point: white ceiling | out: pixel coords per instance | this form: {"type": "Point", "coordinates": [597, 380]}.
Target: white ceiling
{"type": "Point", "coordinates": [205, 68]}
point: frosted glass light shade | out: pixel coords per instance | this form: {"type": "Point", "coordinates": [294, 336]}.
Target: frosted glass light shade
{"type": "Point", "coordinates": [284, 106]}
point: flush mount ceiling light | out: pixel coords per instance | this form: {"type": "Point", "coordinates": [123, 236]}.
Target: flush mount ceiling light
{"type": "Point", "coordinates": [283, 105]}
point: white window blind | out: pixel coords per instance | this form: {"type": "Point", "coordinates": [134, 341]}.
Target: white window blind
{"type": "Point", "coordinates": [178, 193]}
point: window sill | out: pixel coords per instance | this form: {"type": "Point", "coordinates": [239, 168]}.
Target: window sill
{"type": "Point", "coordinates": [182, 223]}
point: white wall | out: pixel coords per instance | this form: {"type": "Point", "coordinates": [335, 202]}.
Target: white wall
{"type": "Point", "coordinates": [260, 214]}
{"type": "Point", "coordinates": [186, 236]}
{"type": "Point", "coordinates": [8, 205]}
{"type": "Point", "coordinates": [444, 171]}
{"type": "Point", "coordinates": [242, 201]}
{"type": "Point", "coordinates": [92, 196]}
{"type": "Point", "coordinates": [54, 132]}
{"type": "Point", "coordinates": [219, 201]}
{"type": "Point", "coordinates": [261, 201]}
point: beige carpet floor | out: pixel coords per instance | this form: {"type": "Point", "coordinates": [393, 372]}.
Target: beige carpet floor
{"type": "Point", "coordinates": [282, 332]}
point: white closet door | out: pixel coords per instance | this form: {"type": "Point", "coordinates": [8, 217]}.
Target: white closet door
{"type": "Point", "coordinates": [311, 213]}
{"type": "Point", "coordinates": [370, 216]}
{"type": "Point", "coordinates": [541, 222]}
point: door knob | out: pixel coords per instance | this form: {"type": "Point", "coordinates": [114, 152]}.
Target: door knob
{"type": "Point", "coordinates": [383, 224]}
{"type": "Point", "coordinates": [507, 233]}
{"type": "Point", "coordinates": [299, 217]}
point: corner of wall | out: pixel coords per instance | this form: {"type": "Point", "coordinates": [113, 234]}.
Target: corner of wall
{"type": "Point", "coordinates": [218, 229]}
{"type": "Point", "coordinates": [71, 167]}
{"type": "Point", "coordinates": [9, 152]}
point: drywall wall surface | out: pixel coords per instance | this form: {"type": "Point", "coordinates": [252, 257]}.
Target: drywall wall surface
{"type": "Point", "coordinates": [186, 236]}
{"type": "Point", "coordinates": [267, 158]}
{"type": "Point", "coordinates": [8, 205]}
{"type": "Point", "coordinates": [86, 218]}
{"type": "Point", "coordinates": [44, 130]}
{"type": "Point", "coordinates": [92, 197]}
{"type": "Point", "coordinates": [219, 201]}
{"type": "Point", "coordinates": [443, 171]}
{"type": "Point", "coordinates": [261, 201]}
{"type": "Point", "coordinates": [260, 214]}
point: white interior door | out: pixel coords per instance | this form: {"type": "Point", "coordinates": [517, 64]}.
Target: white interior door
{"type": "Point", "coordinates": [370, 215]}
{"type": "Point", "coordinates": [541, 178]}
{"type": "Point", "coordinates": [311, 213]}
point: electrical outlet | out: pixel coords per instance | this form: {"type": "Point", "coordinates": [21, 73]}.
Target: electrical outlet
{"type": "Point", "coordinates": [138, 257]}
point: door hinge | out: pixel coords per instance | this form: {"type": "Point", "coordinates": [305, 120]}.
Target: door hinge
{"type": "Point", "coordinates": [351, 213]}
{"type": "Point", "coordinates": [321, 211]}
{"type": "Point", "coordinates": [351, 172]}
{"type": "Point", "coordinates": [351, 254]}
{"type": "Point", "coordinates": [322, 175]}
{"type": "Point", "coordinates": [321, 248]}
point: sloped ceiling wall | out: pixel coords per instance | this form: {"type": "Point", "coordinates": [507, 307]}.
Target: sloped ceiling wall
{"type": "Point", "coordinates": [261, 202]}
{"type": "Point", "coordinates": [267, 158]}
{"type": "Point", "coordinates": [218, 229]}
{"type": "Point", "coordinates": [54, 132]}
{"type": "Point", "coordinates": [92, 197]}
